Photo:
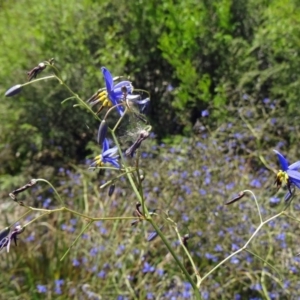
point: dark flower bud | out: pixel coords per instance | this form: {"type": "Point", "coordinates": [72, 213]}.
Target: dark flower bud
{"type": "Point", "coordinates": [185, 239]}
{"type": "Point", "coordinates": [240, 196]}
{"type": "Point", "coordinates": [14, 193]}
{"type": "Point", "coordinates": [4, 233]}
{"type": "Point", "coordinates": [6, 240]}
{"type": "Point", "coordinates": [102, 132]}
{"type": "Point", "coordinates": [111, 190]}
{"type": "Point", "coordinates": [36, 70]}
{"type": "Point", "coordinates": [16, 89]}
{"type": "Point", "coordinates": [144, 134]}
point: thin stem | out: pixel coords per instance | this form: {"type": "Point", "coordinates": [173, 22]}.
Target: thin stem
{"type": "Point", "coordinates": [55, 191]}
{"type": "Point", "coordinates": [243, 248]}
{"type": "Point", "coordinates": [113, 180]}
{"type": "Point", "coordinates": [263, 260]}
{"type": "Point", "coordinates": [74, 94]}
{"type": "Point", "coordinates": [256, 202]}
{"type": "Point", "coordinates": [179, 263]}
{"type": "Point", "coordinates": [188, 255]}
{"type": "Point", "coordinates": [25, 214]}
{"type": "Point", "coordinates": [50, 211]}
{"type": "Point", "coordinates": [67, 99]}
{"type": "Point", "coordinates": [40, 79]}
{"type": "Point", "coordinates": [75, 241]}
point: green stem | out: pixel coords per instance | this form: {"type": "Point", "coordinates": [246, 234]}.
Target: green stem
{"type": "Point", "coordinates": [243, 248]}
{"type": "Point", "coordinates": [55, 191]}
{"type": "Point", "coordinates": [75, 241]}
{"type": "Point", "coordinates": [198, 276]}
{"type": "Point", "coordinates": [180, 265]}
{"type": "Point", "coordinates": [256, 202]}
{"type": "Point", "coordinates": [40, 79]}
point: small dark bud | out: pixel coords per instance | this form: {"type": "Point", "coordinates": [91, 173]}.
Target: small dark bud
{"type": "Point", "coordinates": [102, 132]}
{"type": "Point", "coordinates": [12, 236]}
{"type": "Point", "coordinates": [144, 134]}
{"type": "Point", "coordinates": [14, 193]}
{"type": "Point", "coordinates": [185, 239]}
{"type": "Point", "coordinates": [240, 196]}
{"type": "Point", "coordinates": [111, 190]}
{"type": "Point", "coordinates": [4, 233]}
{"type": "Point", "coordinates": [16, 89]}
{"type": "Point", "coordinates": [36, 70]}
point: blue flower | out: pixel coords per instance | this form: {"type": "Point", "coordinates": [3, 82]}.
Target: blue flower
{"type": "Point", "coordinates": [109, 155]}
{"type": "Point", "coordinates": [41, 288]}
{"type": "Point", "coordinates": [118, 92]}
{"type": "Point", "coordinates": [288, 175]}
{"type": "Point", "coordinates": [115, 95]}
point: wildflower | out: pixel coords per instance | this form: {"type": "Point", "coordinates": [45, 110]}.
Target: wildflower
{"type": "Point", "coordinates": [288, 175]}
{"type": "Point", "coordinates": [109, 155]}
{"type": "Point", "coordinates": [16, 89]}
{"type": "Point", "coordinates": [41, 288]}
{"type": "Point", "coordinates": [112, 95]}
{"type": "Point", "coordinates": [6, 238]}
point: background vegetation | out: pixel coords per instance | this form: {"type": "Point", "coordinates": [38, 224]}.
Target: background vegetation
{"type": "Point", "coordinates": [224, 83]}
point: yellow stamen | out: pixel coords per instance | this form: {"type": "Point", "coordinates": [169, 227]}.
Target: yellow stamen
{"type": "Point", "coordinates": [103, 97]}
{"type": "Point", "coordinates": [98, 161]}
{"type": "Point", "coordinates": [282, 177]}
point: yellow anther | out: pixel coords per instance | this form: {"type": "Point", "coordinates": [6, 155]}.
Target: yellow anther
{"type": "Point", "coordinates": [105, 103]}
{"type": "Point", "coordinates": [282, 177]}
{"type": "Point", "coordinates": [103, 97]}
{"type": "Point", "coordinates": [98, 160]}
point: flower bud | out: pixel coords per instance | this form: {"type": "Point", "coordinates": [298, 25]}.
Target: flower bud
{"type": "Point", "coordinates": [4, 233]}
{"type": "Point", "coordinates": [16, 89]}
{"type": "Point", "coordinates": [111, 190]}
{"type": "Point", "coordinates": [102, 132]}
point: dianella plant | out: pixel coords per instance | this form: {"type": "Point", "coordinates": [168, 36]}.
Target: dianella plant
{"type": "Point", "coordinates": [118, 103]}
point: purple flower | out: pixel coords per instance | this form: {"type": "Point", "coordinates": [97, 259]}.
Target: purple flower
{"type": "Point", "coordinates": [205, 113]}
{"type": "Point", "coordinates": [288, 175]}
{"type": "Point", "coordinates": [109, 155]}
{"type": "Point", "coordinates": [148, 268]}
{"type": "Point", "coordinates": [41, 288]}
{"type": "Point", "coordinates": [116, 93]}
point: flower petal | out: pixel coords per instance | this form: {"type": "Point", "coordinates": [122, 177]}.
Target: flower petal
{"type": "Point", "coordinates": [105, 146]}
{"type": "Point", "coordinates": [113, 161]}
{"type": "Point", "coordinates": [294, 176]}
{"type": "Point", "coordinates": [295, 166]}
{"type": "Point", "coordinates": [108, 79]}
{"type": "Point", "coordinates": [282, 160]}
{"type": "Point", "coordinates": [110, 152]}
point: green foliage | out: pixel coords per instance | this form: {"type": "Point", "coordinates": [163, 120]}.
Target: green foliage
{"type": "Point", "coordinates": [229, 56]}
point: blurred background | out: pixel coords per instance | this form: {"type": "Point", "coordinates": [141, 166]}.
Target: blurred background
{"type": "Point", "coordinates": [224, 83]}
